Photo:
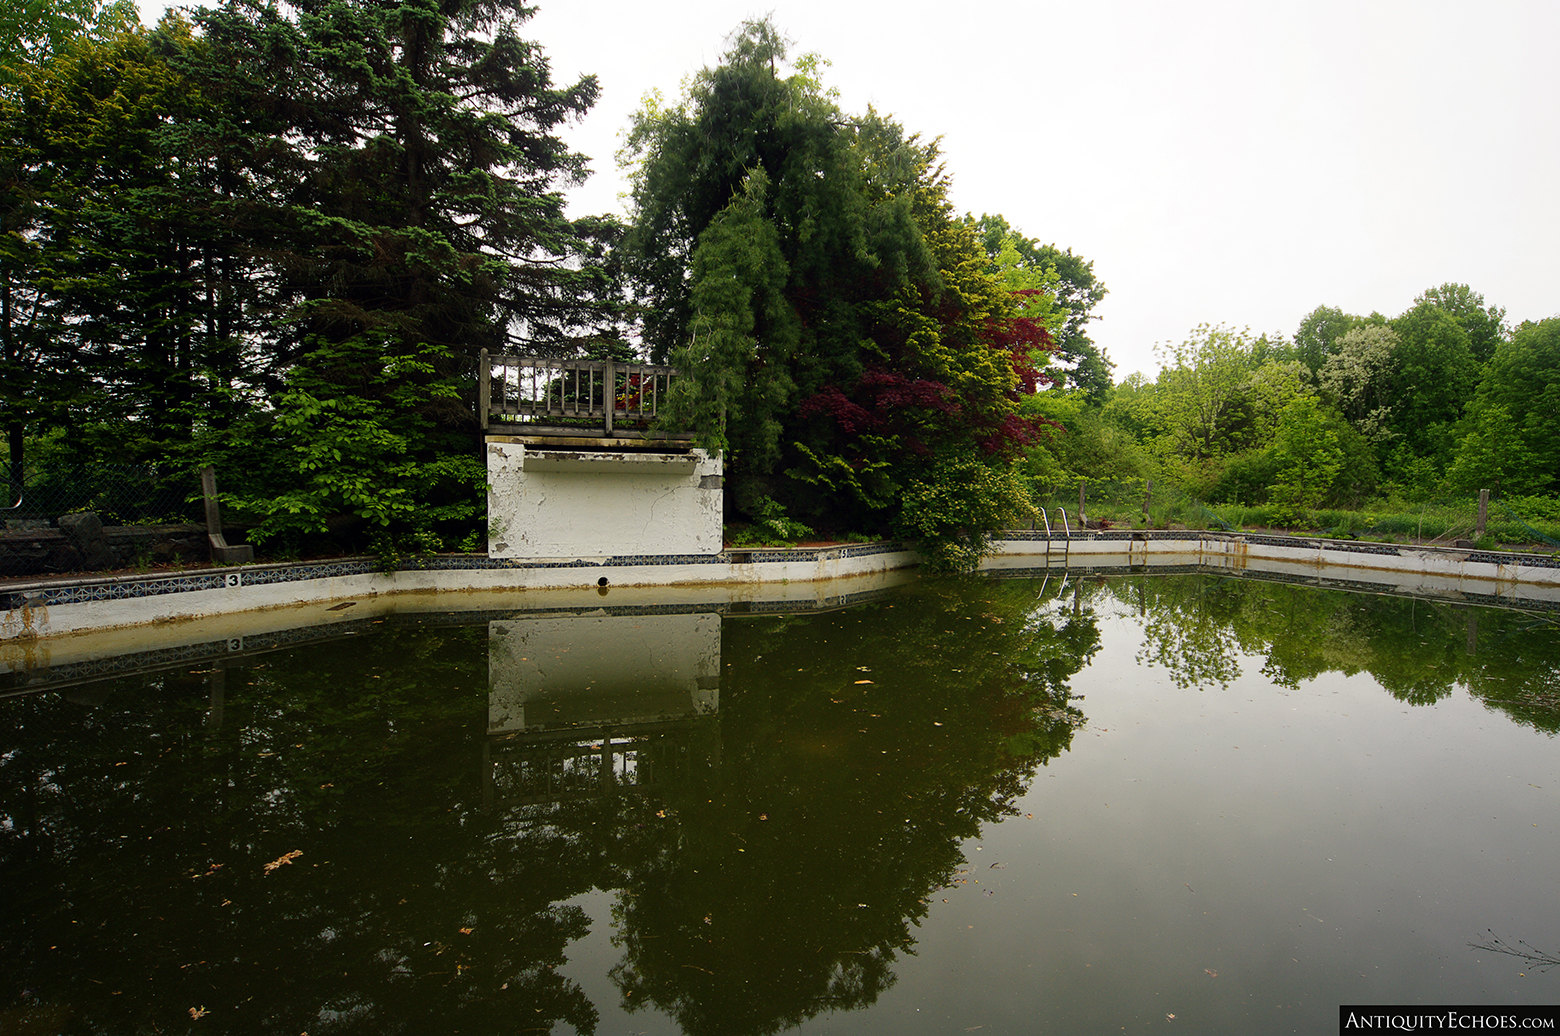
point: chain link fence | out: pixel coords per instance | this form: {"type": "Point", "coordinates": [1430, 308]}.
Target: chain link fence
{"type": "Point", "coordinates": [47, 528]}
{"type": "Point", "coordinates": [120, 494]}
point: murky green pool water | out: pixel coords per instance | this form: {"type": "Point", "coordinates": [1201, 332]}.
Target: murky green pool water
{"type": "Point", "coordinates": [995, 806]}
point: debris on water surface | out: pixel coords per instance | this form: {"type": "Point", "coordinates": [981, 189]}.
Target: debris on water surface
{"type": "Point", "coordinates": [284, 858]}
{"type": "Point", "coordinates": [198, 1012]}
{"type": "Point", "coordinates": [1211, 973]}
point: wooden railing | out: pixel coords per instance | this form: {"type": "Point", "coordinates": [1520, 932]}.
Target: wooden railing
{"type": "Point", "coordinates": [571, 395]}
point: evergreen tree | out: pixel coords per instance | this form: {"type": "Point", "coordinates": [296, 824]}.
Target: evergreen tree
{"type": "Point", "coordinates": [839, 333]}
{"type": "Point", "coordinates": [405, 159]}
{"type": "Point", "coordinates": [112, 320]}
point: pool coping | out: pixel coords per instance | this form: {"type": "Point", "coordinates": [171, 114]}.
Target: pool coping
{"type": "Point", "coordinates": [33, 610]}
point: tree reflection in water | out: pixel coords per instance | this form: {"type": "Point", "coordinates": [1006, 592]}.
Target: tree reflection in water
{"type": "Point", "coordinates": [1195, 627]}
{"type": "Point", "coordinates": [770, 859]}
{"type": "Point", "coordinates": [860, 750]}
{"type": "Point", "coordinates": [773, 875]}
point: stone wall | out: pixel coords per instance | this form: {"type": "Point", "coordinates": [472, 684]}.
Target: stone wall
{"type": "Point", "coordinates": [81, 543]}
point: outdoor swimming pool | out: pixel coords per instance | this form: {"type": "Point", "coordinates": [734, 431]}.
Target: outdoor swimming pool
{"type": "Point", "coordinates": [1010, 805]}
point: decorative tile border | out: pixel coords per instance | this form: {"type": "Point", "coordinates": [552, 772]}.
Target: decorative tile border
{"type": "Point", "coordinates": [88, 590]}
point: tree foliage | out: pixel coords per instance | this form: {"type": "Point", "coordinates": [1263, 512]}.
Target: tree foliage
{"type": "Point", "coordinates": [1512, 436]}
{"type": "Point", "coordinates": [1218, 394]}
{"type": "Point", "coordinates": [841, 336]}
{"type": "Point", "coordinates": [285, 231]}
{"type": "Point", "coordinates": [1073, 286]}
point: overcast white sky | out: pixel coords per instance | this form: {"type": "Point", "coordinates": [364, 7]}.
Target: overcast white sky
{"type": "Point", "coordinates": [1222, 162]}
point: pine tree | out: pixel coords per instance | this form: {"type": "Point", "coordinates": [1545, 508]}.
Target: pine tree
{"type": "Point", "coordinates": [406, 157]}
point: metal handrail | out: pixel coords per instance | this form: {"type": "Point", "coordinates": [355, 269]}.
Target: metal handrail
{"type": "Point", "coordinates": [1047, 521]}
{"type": "Point", "coordinates": [1066, 529]}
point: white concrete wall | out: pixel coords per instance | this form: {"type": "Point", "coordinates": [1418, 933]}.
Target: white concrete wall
{"type": "Point", "coordinates": [563, 503]}
{"type": "Point", "coordinates": [1434, 572]}
{"type": "Point", "coordinates": [29, 634]}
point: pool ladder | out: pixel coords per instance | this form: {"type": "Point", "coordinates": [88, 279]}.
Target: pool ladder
{"type": "Point", "coordinates": [1050, 536]}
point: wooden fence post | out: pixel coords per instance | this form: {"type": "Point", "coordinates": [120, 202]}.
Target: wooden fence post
{"type": "Point", "coordinates": [484, 389]}
{"type": "Point", "coordinates": [1484, 513]}
{"type": "Point", "coordinates": [1083, 501]}
{"type": "Point", "coordinates": [1148, 495]}
{"type": "Point", "coordinates": [611, 393]}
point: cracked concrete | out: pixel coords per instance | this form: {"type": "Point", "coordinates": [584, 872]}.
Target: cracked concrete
{"type": "Point", "coordinates": [570, 504]}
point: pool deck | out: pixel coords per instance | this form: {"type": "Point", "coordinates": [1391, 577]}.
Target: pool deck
{"type": "Point", "coordinates": [140, 609]}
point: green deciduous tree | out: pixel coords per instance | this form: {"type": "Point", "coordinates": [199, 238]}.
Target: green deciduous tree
{"type": "Point", "coordinates": [1309, 459]}
{"type": "Point", "coordinates": [32, 30]}
{"type": "Point", "coordinates": [1492, 455]}
{"type": "Point", "coordinates": [116, 249]}
{"type": "Point", "coordinates": [1523, 381]}
{"type": "Point", "coordinates": [1217, 396]}
{"type": "Point", "coordinates": [1486, 325]}
{"type": "Point", "coordinates": [1434, 376]}
{"type": "Point", "coordinates": [1076, 291]}
{"type": "Point", "coordinates": [1316, 340]}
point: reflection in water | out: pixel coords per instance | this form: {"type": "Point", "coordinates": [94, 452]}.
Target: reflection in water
{"type": "Point", "coordinates": [860, 750]}
{"type": "Point", "coordinates": [772, 801]}
{"type": "Point", "coordinates": [581, 706]}
{"type": "Point", "coordinates": [773, 832]}
{"type": "Point", "coordinates": [1196, 628]}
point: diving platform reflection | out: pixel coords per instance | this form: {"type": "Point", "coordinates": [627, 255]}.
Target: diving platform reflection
{"type": "Point", "coordinates": [585, 706]}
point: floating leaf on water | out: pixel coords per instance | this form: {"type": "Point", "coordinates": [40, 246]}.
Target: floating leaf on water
{"type": "Point", "coordinates": [863, 681]}
{"type": "Point", "coordinates": [1211, 973]}
{"type": "Point", "coordinates": [284, 858]}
